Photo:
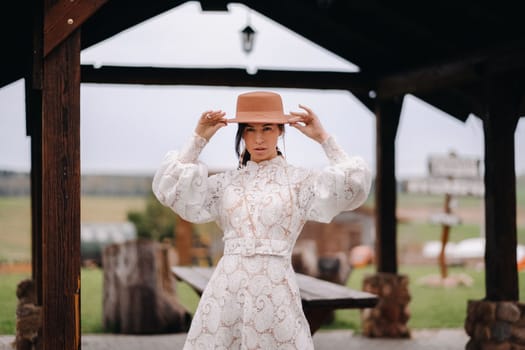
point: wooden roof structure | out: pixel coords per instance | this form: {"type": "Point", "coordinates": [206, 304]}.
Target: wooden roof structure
{"type": "Point", "coordinates": [437, 52]}
{"type": "Point", "coordinates": [461, 56]}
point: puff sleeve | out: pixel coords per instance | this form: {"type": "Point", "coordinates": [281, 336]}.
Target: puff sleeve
{"type": "Point", "coordinates": [343, 185]}
{"type": "Point", "coordinates": [182, 183]}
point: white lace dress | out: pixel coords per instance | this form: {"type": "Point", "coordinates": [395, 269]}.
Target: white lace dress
{"type": "Point", "coordinates": [252, 300]}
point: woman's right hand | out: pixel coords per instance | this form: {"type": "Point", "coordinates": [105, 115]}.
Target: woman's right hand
{"type": "Point", "coordinates": [209, 123]}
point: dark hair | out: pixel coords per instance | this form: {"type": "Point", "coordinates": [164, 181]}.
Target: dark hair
{"type": "Point", "coordinates": [246, 155]}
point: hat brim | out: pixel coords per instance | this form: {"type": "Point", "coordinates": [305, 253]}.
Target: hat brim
{"type": "Point", "coordinates": [283, 119]}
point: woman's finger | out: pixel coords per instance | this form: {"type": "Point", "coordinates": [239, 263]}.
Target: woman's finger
{"type": "Point", "coordinates": [302, 116]}
{"type": "Point", "coordinates": [306, 108]}
{"type": "Point", "coordinates": [298, 114]}
{"type": "Point", "coordinates": [205, 115]}
{"type": "Point", "coordinates": [296, 119]}
{"type": "Point", "coordinates": [212, 117]}
{"type": "Point", "coordinates": [298, 126]}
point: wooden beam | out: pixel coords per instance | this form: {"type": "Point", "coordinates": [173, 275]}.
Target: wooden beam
{"type": "Point", "coordinates": [450, 101]}
{"type": "Point", "coordinates": [503, 96]}
{"type": "Point", "coordinates": [65, 17]}
{"type": "Point", "coordinates": [387, 121]}
{"type": "Point", "coordinates": [368, 101]}
{"type": "Point", "coordinates": [33, 69]}
{"type": "Point", "coordinates": [61, 196]}
{"type": "Point", "coordinates": [427, 79]}
{"type": "Point", "coordinates": [521, 111]}
{"type": "Point", "coordinates": [33, 102]}
{"type": "Point", "coordinates": [454, 72]}
{"type": "Point", "coordinates": [353, 82]}
{"type": "Point", "coordinates": [16, 31]}
{"type": "Point", "coordinates": [34, 99]}
{"type": "Point", "coordinates": [120, 15]}
{"type": "Point", "coordinates": [214, 5]}
{"type": "Point", "coordinates": [320, 27]}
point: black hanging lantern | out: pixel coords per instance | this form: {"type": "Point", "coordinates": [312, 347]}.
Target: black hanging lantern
{"type": "Point", "coordinates": [247, 39]}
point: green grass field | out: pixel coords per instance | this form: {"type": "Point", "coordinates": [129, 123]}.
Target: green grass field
{"type": "Point", "coordinates": [8, 284]}
{"type": "Point", "coordinates": [15, 229]}
{"type": "Point", "coordinates": [430, 307]}
{"type": "Point", "coordinates": [15, 220]}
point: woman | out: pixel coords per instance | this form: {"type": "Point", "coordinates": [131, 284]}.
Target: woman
{"type": "Point", "coordinates": [252, 300]}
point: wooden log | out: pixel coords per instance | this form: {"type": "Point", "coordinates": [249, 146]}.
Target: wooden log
{"type": "Point", "coordinates": [139, 289]}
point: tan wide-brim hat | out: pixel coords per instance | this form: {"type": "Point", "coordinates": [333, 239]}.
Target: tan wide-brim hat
{"type": "Point", "coordinates": [260, 107]}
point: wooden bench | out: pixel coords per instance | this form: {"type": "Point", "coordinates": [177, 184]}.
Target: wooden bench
{"type": "Point", "coordinates": [319, 297]}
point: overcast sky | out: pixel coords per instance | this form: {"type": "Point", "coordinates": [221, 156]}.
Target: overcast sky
{"type": "Point", "coordinates": [128, 129]}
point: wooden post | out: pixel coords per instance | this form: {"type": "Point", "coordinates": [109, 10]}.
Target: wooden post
{"type": "Point", "coordinates": [61, 194]}
{"type": "Point", "coordinates": [488, 329]}
{"type": "Point", "coordinates": [387, 121]}
{"type": "Point", "coordinates": [183, 244]}
{"type": "Point", "coordinates": [444, 238]}
{"type": "Point", "coordinates": [499, 123]}
{"type": "Point", "coordinates": [33, 98]}
{"type": "Point", "coordinates": [33, 94]}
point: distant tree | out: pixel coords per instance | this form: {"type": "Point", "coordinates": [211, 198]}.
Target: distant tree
{"type": "Point", "coordinates": [155, 222]}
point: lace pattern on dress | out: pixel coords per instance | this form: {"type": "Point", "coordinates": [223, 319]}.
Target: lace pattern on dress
{"type": "Point", "coordinates": [255, 246]}
{"type": "Point", "coordinates": [192, 149]}
{"type": "Point", "coordinates": [252, 300]}
{"type": "Point", "coordinates": [333, 151]}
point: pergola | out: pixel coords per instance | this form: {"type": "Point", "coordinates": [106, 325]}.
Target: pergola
{"type": "Point", "coordinates": [461, 56]}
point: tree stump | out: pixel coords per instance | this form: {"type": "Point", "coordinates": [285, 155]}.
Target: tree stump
{"type": "Point", "coordinates": [28, 316]}
{"type": "Point", "coordinates": [139, 289]}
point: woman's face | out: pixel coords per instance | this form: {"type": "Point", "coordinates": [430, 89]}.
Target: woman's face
{"type": "Point", "coordinates": [261, 140]}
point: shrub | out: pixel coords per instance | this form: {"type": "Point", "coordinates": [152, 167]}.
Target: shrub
{"type": "Point", "coordinates": [155, 222]}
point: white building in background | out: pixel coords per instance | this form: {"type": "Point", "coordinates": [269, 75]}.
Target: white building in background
{"type": "Point", "coordinates": [94, 237]}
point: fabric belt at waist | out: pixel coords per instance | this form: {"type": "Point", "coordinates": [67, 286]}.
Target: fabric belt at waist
{"type": "Point", "coordinates": [256, 246]}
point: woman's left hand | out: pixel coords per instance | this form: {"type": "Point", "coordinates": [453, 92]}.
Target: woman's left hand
{"type": "Point", "coordinates": [308, 123]}
{"type": "Point", "coordinates": [209, 123]}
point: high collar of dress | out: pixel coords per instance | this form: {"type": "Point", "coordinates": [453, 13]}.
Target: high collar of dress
{"type": "Point", "coordinates": [275, 161]}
